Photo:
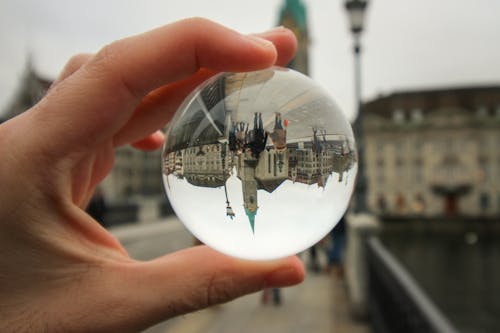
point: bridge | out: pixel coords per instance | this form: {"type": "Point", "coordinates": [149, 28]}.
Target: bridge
{"type": "Point", "coordinates": [319, 304]}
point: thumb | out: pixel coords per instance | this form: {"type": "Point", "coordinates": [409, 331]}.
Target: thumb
{"type": "Point", "coordinates": [149, 292]}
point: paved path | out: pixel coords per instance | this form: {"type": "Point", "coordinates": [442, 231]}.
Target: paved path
{"type": "Point", "coordinates": [306, 308]}
{"type": "Point", "coordinates": [318, 305]}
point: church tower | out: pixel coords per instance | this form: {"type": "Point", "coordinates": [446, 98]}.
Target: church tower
{"type": "Point", "coordinates": [31, 89]}
{"type": "Point", "coordinates": [246, 172]}
{"type": "Point", "coordinates": [294, 17]}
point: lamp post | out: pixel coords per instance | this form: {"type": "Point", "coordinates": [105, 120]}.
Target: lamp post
{"type": "Point", "coordinates": [356, 11]}
{"type": "Point", "coordinates": [229, 209]}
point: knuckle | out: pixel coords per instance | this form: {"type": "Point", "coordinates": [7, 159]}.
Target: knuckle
{"type": "Point", "coordinates": [71, 66]}
{"type": "Point", "coordinates": [108, 55]}
{"type": "Point", "coordinates": [219, 290]}
{"type": "Point", "coordinates": [77, 60]}
{"type": "Point", "coordinates": [198, 25]}
{"type": "Point", "coordinates": [112, 63]}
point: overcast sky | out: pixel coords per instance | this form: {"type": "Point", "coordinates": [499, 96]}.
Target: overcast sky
{"type": "Point", "coordinates": [406, 45]}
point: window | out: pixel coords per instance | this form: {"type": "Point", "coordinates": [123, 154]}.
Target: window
{"type": "Point", "coordinates": [399, 146]}
{"type": "Point", "coordinates": [380, 148]}
{"type": "Point", "coordinates": [484, 201]}
{"type": "Point", "coordinates": [417, 115]}
{"type": "Point", "coordinates": [380, 176]}
{"type": "Point", "coordinates": [418, 175]}
{"type": "Point", "coordinates": [400, 203]}
{"type": "Point", "coordinates": [419, 203]}
{"type": "Point", "coordinates": [482, 111]}
{"type": "Point", "coordinates": [398, 116]}
{"type": "Point", "coordinates": [484, 168]}
{"type": "Point", "coordinates": [418, 145]}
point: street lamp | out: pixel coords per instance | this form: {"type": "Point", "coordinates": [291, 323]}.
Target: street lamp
{"type": "Point", "coordinates": [356, 10]}
{"type": "Point", "coordinates": [229, 209]}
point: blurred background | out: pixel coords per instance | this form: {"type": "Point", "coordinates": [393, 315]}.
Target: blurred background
{"type": "Point", "coordinates": [420, 81]}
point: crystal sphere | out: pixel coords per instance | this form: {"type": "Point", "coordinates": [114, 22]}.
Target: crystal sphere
{"type": "Point", "coordinates": [259, 165]}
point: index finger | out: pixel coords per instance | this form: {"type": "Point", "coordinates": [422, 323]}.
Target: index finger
{"type": "Point", "coordinates": [158, 106]}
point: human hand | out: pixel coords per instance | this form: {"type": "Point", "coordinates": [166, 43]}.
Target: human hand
{"type": "Point", "coordinates": [59, 269]}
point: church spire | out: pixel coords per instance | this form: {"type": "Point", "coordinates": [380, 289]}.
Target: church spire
{"type": "Point", "coordinates": [251, 218]}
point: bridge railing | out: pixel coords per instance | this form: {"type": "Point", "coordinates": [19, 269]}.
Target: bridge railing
{"type": "Point", "coordinates": [396, 303]}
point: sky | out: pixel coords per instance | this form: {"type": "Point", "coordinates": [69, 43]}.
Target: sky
{"type": "Point", "coordinates": [407, 44]}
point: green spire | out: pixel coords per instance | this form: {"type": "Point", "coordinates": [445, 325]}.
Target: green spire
{"type": "Point", "coordinates": [251, 218]}
{"type": "Point", "coordinates": [296, 10]}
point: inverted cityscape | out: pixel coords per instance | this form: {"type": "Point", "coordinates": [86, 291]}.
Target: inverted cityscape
{"type": "Point", "coordinates": [217, 137]}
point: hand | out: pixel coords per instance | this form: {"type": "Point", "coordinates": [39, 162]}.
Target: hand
{"type": "Point", "coordinates": [59, 269]}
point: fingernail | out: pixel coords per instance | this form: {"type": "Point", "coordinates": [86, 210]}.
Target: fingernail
{"type": "Point", "coordinates": [282, 277]}
{"type": "Point", "coordinates": [260, 41]}
{"type": "Point", "coordinates": [278, 28]}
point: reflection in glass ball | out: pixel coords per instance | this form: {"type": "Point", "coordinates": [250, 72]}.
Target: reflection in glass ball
{"type": "Point", "coordinates": [259, 165]}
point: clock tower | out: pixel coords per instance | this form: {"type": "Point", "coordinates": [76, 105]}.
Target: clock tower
{"type": "Point", "coordinates": [294, 17]}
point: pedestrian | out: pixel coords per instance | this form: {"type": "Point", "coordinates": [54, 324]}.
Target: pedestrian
{"type": "Point", "coordinates": [313, 259]}
{"type": "Point", "coordinates": [59, 269]}
{"type": "Point", "coordinates": [274, 292]}
{"type": "Point", "coordinates": [337, 249]}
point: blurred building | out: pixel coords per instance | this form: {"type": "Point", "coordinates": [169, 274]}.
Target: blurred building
{"type": "Point", "coordinates": [135, 173]}
{"type": "Point", "coordinates": [434, 152]}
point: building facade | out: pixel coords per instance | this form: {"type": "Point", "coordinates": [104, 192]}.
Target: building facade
{"type": "Point", "coordinates": [434, 153]}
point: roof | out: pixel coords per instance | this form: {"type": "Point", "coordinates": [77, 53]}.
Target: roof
{"type": "Point", "coordinates": [269, 185]}
{"type": "Point", "coordinates": [251, 218]}
{"type": "Point", "coordinates": [30, 90]}
{"type": "Point", "coordinates": [469, 98]}
{"type": "Point", "coordinates": [297, 10]}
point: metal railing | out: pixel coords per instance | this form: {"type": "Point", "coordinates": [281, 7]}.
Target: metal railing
{"type": "Point", "coordinates": [396, 302]}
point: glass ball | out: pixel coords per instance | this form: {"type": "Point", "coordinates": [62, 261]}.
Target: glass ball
{"type": "Point", "coordinates": [259, 165]}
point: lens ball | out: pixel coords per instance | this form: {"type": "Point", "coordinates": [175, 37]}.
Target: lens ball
{"type": "Point", "coordinates": [259, 165]}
